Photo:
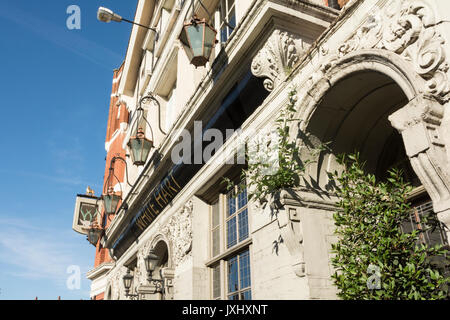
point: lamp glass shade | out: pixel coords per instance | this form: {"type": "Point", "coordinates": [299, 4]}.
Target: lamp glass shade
{"type": "Point", "coordinates": [94, 235]}
{"type": "Point", "coordinates": [127, 280]}
{"type": "Point", "coordinates": [198, 39]}
{"type": "Point", "coordinates": [110, 202]}
{"type": "Point", "coordinates": [151, 260]}
{"type": "Point", "coordinates": [140, 148]}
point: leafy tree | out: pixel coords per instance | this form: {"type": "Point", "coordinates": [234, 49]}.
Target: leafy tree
{"type": "Point", "coordinates": [374, 258]}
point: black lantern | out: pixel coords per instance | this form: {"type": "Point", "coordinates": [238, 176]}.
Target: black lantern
{"type": "Point", "coordinates": [94, 234]}
{"type": "Point", "coordinates": [198, 39]}
{"type": "Point", "coordinates": [140, 147]}
{"type": "Point", "coordinates": [150, 262]}
{"type": "Point", "coordinates": [111, 200]}
{"type": "Point", "coordinates": [127, 280]}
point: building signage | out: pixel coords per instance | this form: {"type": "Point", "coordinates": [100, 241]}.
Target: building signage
{"type": "Point", "coordinates": [86, 211]}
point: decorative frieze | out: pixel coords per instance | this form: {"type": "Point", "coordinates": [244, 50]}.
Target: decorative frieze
{"type": "Point", "coordinates": [406, 28]}
{"type": "Point", "coordinates": [179, 232]}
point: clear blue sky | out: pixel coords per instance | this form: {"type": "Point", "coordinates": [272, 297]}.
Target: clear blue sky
{"type": "Point", "coordinates": [55, 88]}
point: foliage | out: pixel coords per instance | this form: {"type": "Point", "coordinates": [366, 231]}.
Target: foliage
{"type": "Point", "coordinates": [289, 167]}
{"type": "Point", "coordinates": [370, 236]}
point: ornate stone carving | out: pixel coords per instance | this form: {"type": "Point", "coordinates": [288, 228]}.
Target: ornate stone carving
{"type": "Point", "coordinates": [406, 28]}
{"type": "Point", "coordinates": [179, 232]}
{"type": "Point", "coordinates": [419, 123]}
{"type": "Point", "coordinates": [280, 53]}
{"type": "Point", "coordinates": [116, 281]}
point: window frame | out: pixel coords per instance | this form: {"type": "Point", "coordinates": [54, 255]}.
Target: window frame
{"type": "Point", "coordinates": [226, 253]}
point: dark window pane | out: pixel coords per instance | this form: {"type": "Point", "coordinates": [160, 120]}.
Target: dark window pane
{"type": "Point", "coordinates": [246, 295]}
{"type": "Point", "coordinates": [233, 297]}
{"type": "Point", "coordinates": [244, 269]}
{"type": "Point", "coordinates": [242, 197]}
{"type": "Point", "coordinates": [243, 225]}
{"type": "Point", "coordinates": [231, 203]}
{"type": "Point", "coordinates": [231, 232]}
{"type": "Point", "coordinates": [232, 20]}
{"type": "Point", "coordinates": [233, 284]}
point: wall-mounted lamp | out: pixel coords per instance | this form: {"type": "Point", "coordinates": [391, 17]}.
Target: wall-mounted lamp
{"type": "Point", "coordinates": [94, 234]}
{"type": "Point", "coordinates": [111, 198]}
{"type": "Point", "coordinates": [127, 281]}
{"type": "Point", "coordinates": [150, 264]}
{"type": "Point", "coordinates": [198, 38]}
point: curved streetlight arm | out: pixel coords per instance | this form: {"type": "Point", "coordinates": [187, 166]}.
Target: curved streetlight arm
{"type": "Point", "coordinates": [111, 172]}
{"type": "Point", "coordinates": [150, 96]}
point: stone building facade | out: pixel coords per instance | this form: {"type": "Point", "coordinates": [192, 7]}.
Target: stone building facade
{"type": "Point", "coordinates": [371, 76]}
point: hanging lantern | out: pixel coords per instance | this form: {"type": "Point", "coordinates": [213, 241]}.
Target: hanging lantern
{"type": "Point", "coordinates": [140, 148]}
{"type": "Point", "coordinates": [94, 234]}
{"type": "Point", "coordinates": [110, 201]}
{"type": "Point", "coordinates": [198, 39]}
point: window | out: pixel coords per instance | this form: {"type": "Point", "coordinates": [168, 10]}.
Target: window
{"type": "Point", "coordinates": [230, 245]}
{"type": "Point", "coordinates": [433, 232]}
{"type": "Point", "coordinates": [226, 19]}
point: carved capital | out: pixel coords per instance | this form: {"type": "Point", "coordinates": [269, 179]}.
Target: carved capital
{"type": "Point", "coordinates": [419, 124]}
{"type": "Point", "coordinates": [279, 55]}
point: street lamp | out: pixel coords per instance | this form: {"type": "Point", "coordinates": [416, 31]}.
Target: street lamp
{"type": "Point", "coordinates": [107, 15]}
{"type": "Point", "coordinates": [110, 198]}
{"type": "Point", "coordinates": [94, 233]}
{"type": "Point", "coordinates": [110, 201]}
{"type": "Point", "coordinates": [150, 264]}
{"type": "Point", "coordinates": [198, 38]}
{"type": "Point", "coordinates": [127, 281]}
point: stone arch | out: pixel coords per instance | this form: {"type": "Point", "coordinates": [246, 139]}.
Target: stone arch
{"type": "Point", "coordinates": [162, 245]}
{"type": "Point", "coordinates": [418, 120]}
{"type": "Point", "coordinates": [356, 99]}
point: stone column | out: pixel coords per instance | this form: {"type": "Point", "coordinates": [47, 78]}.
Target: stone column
{"type": "Point", "coordinates": [419, 124]}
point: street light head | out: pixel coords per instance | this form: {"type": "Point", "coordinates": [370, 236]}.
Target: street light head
{"type": "Point", "coordinates": [106, 15]}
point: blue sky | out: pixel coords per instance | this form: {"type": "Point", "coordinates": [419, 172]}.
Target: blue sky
{"type": "Point", "coordinates": [55, 88]}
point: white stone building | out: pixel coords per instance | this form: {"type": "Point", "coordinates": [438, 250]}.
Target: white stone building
{"type": "Point", "coordinates": [371, 77]}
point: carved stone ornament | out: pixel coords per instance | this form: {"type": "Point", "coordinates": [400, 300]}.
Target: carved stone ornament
{"type": "Point", "coordinates": [279, 55]}
{"type": "Point", "coordinates": [419, 123]}
{"type": "Point", "coordinates": [116, 281]}
{"type": "Point", "coordinates": [179, 232]}
{"type": "Point", "coordinates": [406, 28]}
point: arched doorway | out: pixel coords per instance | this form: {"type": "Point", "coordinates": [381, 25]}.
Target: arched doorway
{"type": "Point", "coordinates": [351, 107]}
{"type": "Point", "coordinates": [353, 117]}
